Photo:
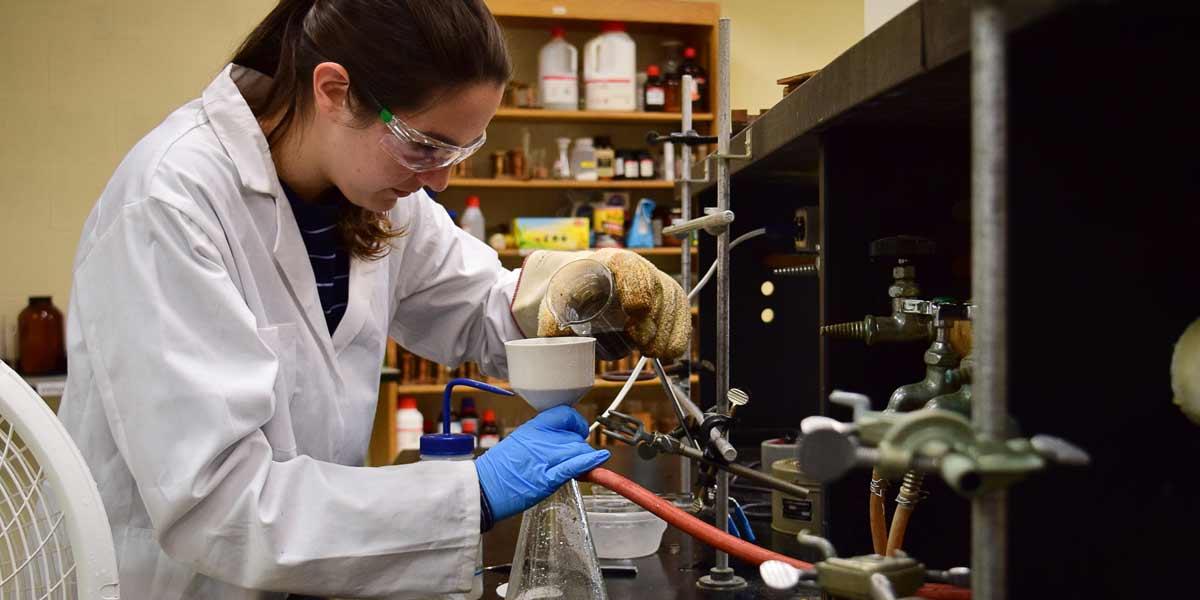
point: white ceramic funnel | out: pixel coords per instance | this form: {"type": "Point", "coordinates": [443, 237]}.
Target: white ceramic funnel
{"type": "Point", "coordinates": [547, 372]}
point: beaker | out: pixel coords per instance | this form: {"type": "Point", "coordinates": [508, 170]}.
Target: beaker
{"type": "Point", "coordinates": [583, 298]}
{"type": "Point", "coordinates": [555, 558]}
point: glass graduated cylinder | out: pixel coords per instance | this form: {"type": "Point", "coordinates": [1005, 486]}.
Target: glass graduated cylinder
{"type": "Point", "coordinates": [583, 298]}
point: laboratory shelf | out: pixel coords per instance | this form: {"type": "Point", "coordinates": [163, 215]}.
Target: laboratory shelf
{"type": "Point", "coordinates": [437, 388]}
{"type": "Point", "coordinates": [556, 184]}
{"type": "Point", "coordinates": [594, 116]}
{"type": "Point", "coordinates": [662, 251]}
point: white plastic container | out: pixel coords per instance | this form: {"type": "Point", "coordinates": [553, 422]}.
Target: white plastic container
{"type": "Point", "coordinates": [583, 160]}
{"type": "Point", "coordinates": [610, 70]}
{"type": "Point", "coordinates": [558, 73]}
{"type": "Point", "coordinates": [409, 425]}
{"type": "Point", "coordinates": [620, 528]}
{"type": "Point", "coordinates": [472, 219]}
{"type": "Point", "coordinates": [455, 447]}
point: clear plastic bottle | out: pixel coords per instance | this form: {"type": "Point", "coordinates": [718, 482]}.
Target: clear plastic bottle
{"type": "Point", "coordinates": [610, 70]}
{"type": "Point", "coordinates": [558, 73]}
{"type": "Point", "coordinates": [562, 165]}
{"type": "Point", "coordinates": [472, 219]}
{"type": "Point", "coordinates": [583, 160]}
{"type": "Point", "coordinates": [409, 425]}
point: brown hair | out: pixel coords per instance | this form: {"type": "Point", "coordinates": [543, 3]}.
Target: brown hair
{"type": "Point", "coordinates": [403, 54]}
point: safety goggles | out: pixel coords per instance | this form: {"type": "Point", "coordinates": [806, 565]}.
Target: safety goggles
{"type": "Point", "coordinates": [418, 152]}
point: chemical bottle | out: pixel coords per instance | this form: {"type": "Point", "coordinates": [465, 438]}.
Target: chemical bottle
{"type": "Point", "coordinates": [455, 447]}
{"type": "Point", "coordinates": [470, 418]}
{"type": "Point", "coordinates": [472, 219]}
{"type": "Point", "coordinates": [455, 423]}
{"type": "Point", "coordinates": [654, 93]}
{"type": "Point", "coordinates": [409, 425]}
{"type": "Point", "coordinates": [583, 160]}
{"type": "Point", "coordinates": [40, 334]}
{"type": "Point", "coordinates": [645, 165]}
{"type": "Point", "coordinates": [558, 73]}
{"type": "Point", "coordinates": [631, 165]}
{"type": "Point", "coordinates": [610, 70]}
{"type": "Point", "coordinates": [604, 158]}
{"type": "Point", "coordinates": [699, 78]}
{"type": "Point", "coordinates": [489, 432]}
{"type": "Point", "coordinates": [562, 165]}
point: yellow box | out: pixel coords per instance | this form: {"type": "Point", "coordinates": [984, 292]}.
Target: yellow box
{"type": "Point", "coordinates": [551, 233]}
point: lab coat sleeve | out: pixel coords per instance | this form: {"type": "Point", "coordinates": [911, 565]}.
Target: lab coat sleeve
{"type": "Point", "coordinates": [188, 383]}
{"type": "Point", "coordinates": [451, 295]}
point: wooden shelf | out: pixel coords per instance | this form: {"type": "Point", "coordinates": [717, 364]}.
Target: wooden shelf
{"type": "Point", "coordinates": [563, 184]}
{"type": "Point", "coordinates": [657, 12]}
{"type": "Point", "coordinates": [663, 251]}
{"type": "Point", "coordinates": [595, 116]}
{"type": "Point", "coordinates": [426, 389]}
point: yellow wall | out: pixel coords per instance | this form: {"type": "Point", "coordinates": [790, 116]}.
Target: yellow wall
{"type": "Point", "coordinates": [85, 79]}
{"type": "Point", "coordinates": [773, 39]}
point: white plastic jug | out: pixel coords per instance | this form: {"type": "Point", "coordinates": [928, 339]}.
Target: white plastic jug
{"type": "Point", "coordinates": [610, 70]}
{"type": "Point", "coordinates": [558, 73]}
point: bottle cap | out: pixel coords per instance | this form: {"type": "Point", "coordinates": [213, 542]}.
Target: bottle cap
{"type": "Point", "coordinates": [612, 26]}
{"type": "Point", "coordinates": [473, 201]}
{"type": "Point", "coordinates": [408, 402]}
{"type": "Point", "coordinates": [689, 52]}
{"type": "Point", "coordinates": [468, 426]}
{"type": "Point", "coordinates": [489, 415]}
{"type": "Point", "coordinates": [557, 32]}
{"type": "Point", "coordinates": [652, 71]}
{"type": "Point", "coordinates": [447, 444]}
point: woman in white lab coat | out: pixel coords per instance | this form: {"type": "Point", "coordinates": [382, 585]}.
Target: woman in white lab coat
{"type": "Point", "coordinates": [234, 289]}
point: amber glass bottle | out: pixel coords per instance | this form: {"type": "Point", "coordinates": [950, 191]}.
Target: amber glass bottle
{"type": "Point", "coordinates": [40, 338]}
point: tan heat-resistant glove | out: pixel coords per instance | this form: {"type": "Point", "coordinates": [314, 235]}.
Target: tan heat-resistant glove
{"type": "Point", "coordinates": [660, 320]}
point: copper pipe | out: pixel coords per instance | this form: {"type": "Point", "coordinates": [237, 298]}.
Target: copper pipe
{"type": "Point", "coordinates": [879, 526]}
{"type": "Point", "coordinates": [906, 502]}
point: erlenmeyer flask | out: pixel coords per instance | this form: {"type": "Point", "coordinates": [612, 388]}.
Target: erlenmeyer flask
{"type": "Point", "coordinates": [555, 558]}
{"type": "Point", "coordinates": [582, 297]}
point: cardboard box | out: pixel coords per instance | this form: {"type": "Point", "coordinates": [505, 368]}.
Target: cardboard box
{"type": "Point", "coordinates": [551, 233]}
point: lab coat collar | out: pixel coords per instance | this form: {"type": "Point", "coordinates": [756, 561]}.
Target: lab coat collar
{"type": "Point", "coordinates": [238, 129]}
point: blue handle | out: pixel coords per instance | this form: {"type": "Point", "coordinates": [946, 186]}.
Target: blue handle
{"type": "Point", "coordinates": [479, 385]}
{"type": "Point", "coordinates": [743, 523]}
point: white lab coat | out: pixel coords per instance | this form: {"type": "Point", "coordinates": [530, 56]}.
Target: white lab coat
{"type": "Point", "coordinates": [225, 428]}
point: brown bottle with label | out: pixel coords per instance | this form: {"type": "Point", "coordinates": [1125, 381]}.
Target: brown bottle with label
{"type": "Point", "coordinates": [40, 338]}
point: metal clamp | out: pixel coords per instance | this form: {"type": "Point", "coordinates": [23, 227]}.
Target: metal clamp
{"type": "Point", "coordinates": [713, 223]}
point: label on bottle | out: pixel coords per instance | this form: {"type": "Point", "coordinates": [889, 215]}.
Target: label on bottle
{"type": "Point", "coordinates": [696, 83]}
{"type": "Point", "coordinates": [559, 89]}
{"type": "Point", "coordinates": [610, 94]}
{"type": "Point", "coordinates": [408, 438]}
{"type": "Point", "coordinates": [631, 169]}
{"type": "Point", "coordinates": [647, 168]}
{"type": "Point", "coordinates": [488, 440]}
{"type": "Point", "coordinates": [655, 96]}
{"type": "Point", "coordinates": [619, 167]}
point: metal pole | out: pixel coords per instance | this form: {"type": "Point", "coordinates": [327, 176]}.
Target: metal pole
{"type": "Point", "coordinates": [989, 273]}
{"type": "Point", "coordinates": [721, 509]}
{"type": "Point", "coordinates": [685, 260]}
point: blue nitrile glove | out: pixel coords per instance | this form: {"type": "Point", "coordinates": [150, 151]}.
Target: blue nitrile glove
{"type": "Point", "coordinates": [536, 459]}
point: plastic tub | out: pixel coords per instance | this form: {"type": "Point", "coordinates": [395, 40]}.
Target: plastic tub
{"type": "Point", "coordinates": [620, 528]}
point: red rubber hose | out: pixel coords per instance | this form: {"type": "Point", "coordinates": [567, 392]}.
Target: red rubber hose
{"type": "Point", "coordinates": [741, 549]}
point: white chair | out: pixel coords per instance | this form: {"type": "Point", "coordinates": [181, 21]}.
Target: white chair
{"type": "Point", "coordinates": [55, 541]}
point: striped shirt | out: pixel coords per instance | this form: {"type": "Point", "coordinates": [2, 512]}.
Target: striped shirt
{"type": "Point", "coordinates": [330, 260]}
